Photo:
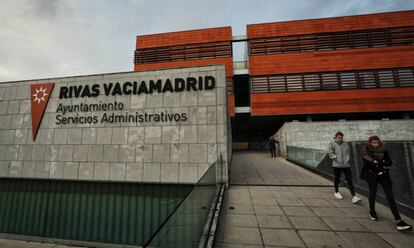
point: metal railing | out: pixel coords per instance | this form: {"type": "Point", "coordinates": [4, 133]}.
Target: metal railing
{"type": "Point", "coordinates": [402, 169]}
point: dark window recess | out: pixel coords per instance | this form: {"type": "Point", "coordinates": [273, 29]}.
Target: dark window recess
{"type": "Point", "coordinates": [383, 78]}
{"type": "Point", "coordinates": [183, 52]}
{"type": "Point", "coordinates": [241, 90]}
{"type": "Point", "coordinates": [372, 38]}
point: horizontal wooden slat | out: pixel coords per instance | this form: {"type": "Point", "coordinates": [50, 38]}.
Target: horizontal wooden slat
{"type": "Point", "coordinates": [183, 52]}
{"type": "Point", "coordinates": [384, 78]}
{"type": "Point", "coordinates": [399, 36]}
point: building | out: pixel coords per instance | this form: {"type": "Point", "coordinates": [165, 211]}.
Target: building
{"type": "Point", "coordinates": [354, 67]}
{"type": "Point", "coordinates": [117, 157]}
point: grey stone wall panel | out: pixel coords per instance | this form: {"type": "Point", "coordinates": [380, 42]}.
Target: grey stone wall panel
{"type": "Point", "coordinates": [173, 151]}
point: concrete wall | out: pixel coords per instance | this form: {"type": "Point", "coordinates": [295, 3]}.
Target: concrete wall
{"type": "Point", "coordinates": [317, 135]}
{"type": "Point", "coordinates": [167, 152]}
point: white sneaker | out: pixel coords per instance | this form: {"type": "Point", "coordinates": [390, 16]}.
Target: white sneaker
{"type": "Point", "coordinates": [338, 195]}
{"type": "Point", "coordinates": [355, 199]}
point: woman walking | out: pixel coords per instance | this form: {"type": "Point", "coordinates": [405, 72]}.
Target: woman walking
{"type": "Point", "coordinates": [375, 171]}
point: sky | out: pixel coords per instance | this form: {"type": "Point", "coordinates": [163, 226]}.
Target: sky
{"type": "Point", "coordinates": [56, 38]}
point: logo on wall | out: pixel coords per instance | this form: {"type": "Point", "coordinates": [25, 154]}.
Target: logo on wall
{"type": "Point", "coordinates": [39, 94]}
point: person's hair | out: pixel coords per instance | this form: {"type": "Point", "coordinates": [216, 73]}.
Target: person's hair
{"type": "Point", "coordinates": [339, 133]}
{"type": "Point", "coordinates": [372, 138]}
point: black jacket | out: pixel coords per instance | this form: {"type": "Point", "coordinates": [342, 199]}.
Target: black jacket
{"type": "Point", "coordinates": [369, 171]}
{"type": "Point", "coordinates": [272, 144]}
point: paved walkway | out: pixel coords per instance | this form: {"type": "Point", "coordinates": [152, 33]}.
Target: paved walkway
{"type": "Point", "coordinates": [258, 168]}
{"type": "Point", "coordinates": [298, 215]}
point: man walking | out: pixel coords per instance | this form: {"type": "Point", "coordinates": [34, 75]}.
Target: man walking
{"type": "Point", "coordinates": [272, 146]}
{"type": "Point", "coordinates": [339, 153]}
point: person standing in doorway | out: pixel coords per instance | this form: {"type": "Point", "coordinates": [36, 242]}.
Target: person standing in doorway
{"type": "Point", "coordinates": [375, 170]}
{"type": "Point", "coordinates": [272, 146]}
{"type": "Point", "coordinates": [339, 153]}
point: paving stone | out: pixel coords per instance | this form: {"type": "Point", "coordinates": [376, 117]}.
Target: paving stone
{"type": "Point", "coordinates": [321, 239]}
{"type": "Point", "coordinates": [355, 212]}
{"type": "Point", "coordinates": [328, 211]}
{"type": "Point", "coordinates": [290, 202]}
{"type": "Point", "coordinates": [317, 203]}
{"type": "Point", "coordinates": [239, 209]}
{"type": "Point", "coordinates": [310, 223]}
{"type": "Point", "coordinates": [267, 210]}
{"type": "Point", "coordinates": [239, 199]}
{"type": "Point", "coordinates": [400, 240]}
{"type": "Point", "coordinates": [366, 240]}
{"type": "Point", "coordinates": [345, 203]}
{"type": "Point", "coordinates": [281, 237]}
{"type": "Point", "coordinates": [229, 245]}
{"type": "Point", "coordinates": [381, 226]}
{"type": "Point", "coordinates": [241, 220]}
{"type": "Point", "coordinates": [242, 235]}
{"type": "Point", "coordinates": [297, 211]}
{"type": "Point", "coordinates": [289, 194]}
{"type": "Point", "coordinates": [264, 201]}
{"type": "Point", "coordinates": [344, 224]}
{"type": "Point", "coordinates": [273, 221]}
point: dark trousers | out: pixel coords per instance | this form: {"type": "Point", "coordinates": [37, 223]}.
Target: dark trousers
{"type": "Point", "coordinates": [373, 185]}
{"type": "Point", "coordinates": [272, 152]}
{"type": "Point", "coordinates": [348, 178]}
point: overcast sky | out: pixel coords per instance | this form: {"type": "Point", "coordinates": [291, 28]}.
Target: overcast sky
{"type": "Point", "coordinates": [55, 38]}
